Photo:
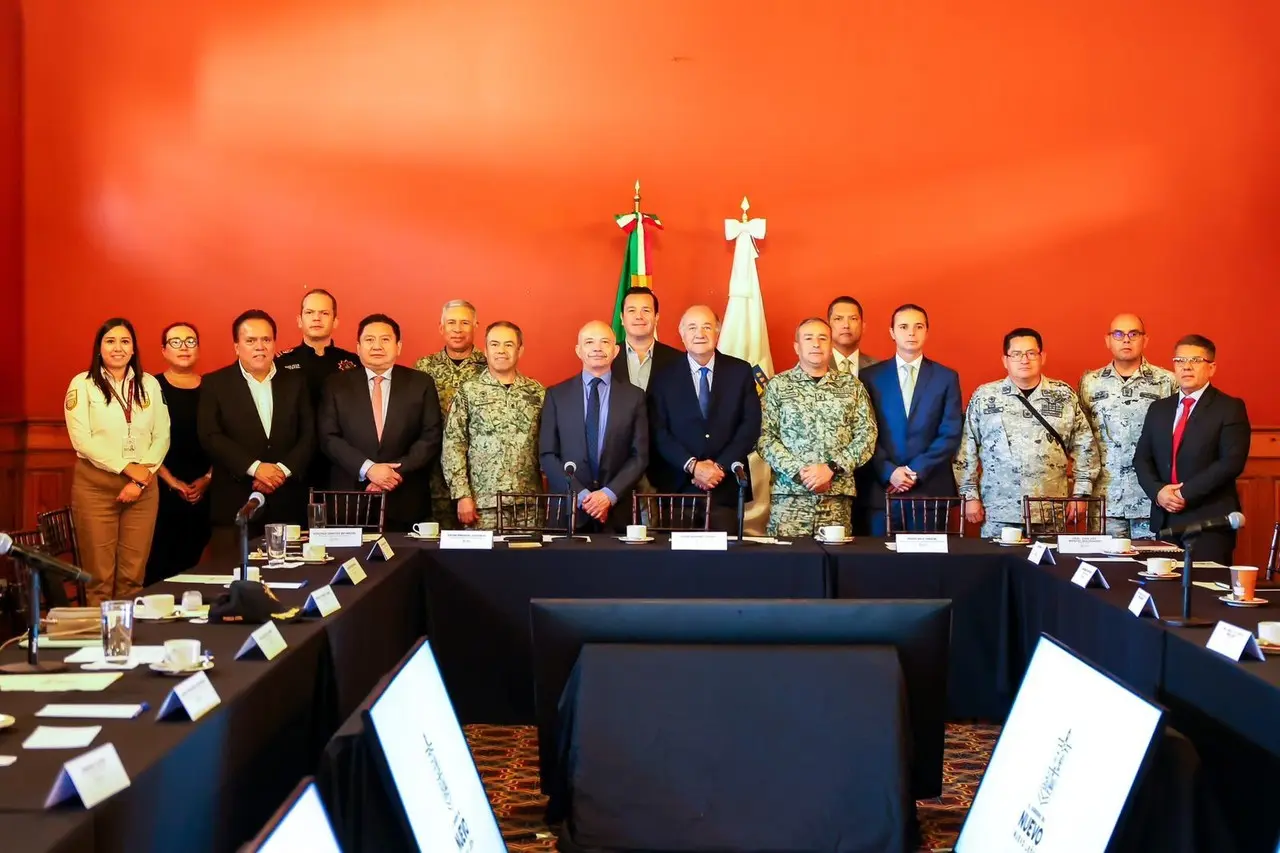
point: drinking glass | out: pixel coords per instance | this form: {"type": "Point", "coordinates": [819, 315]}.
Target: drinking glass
{"type": "Point", "coordinates": [277, 538]}
{"type": "Point", "coordinates": [315, 516]}
{"type": "Point", "coordinates": [117, 631]}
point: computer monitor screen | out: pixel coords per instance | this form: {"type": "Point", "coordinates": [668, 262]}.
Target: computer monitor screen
{"type": "Point", "coordinates": [301, 824]}
{"type": "Point", "coordinates": [426, 761]}
{"type": "Point", "coordinates": [1075, 744]}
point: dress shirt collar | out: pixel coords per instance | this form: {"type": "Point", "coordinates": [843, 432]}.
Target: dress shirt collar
{"type": "Point", "coordinates": [1195, 395]}
{"type": "Point", "coordinates": [386, 374]}
{"type": "Point", "coordinates": [249, 376]}
{"type": "Point", "coordinates": [903, 362]}
{"type": "Point", "coordinates": [633, 353]}
{"type": "Point", "coordinates": [694, 367]}
{"type": "Point", "coordinates": [841, 358]}
{"type": "Point", "coordinates": [606, 378]}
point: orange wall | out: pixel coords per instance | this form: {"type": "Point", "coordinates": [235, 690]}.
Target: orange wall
{"type": "Point", "coordinates": [11, 290]}
{"type": "Point", "coordinates": [1001, 162]}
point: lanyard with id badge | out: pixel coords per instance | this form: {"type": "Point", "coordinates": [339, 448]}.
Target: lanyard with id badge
{"type": "Point", "coordinates": [130, 449]}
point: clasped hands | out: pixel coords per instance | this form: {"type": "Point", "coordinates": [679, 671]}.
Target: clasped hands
{"type": "Point", "coordinates": [817, 478]}
{"type": "Point", "coordinates": [1170, 498]}
{"type": "Point", "coordinates": [383, 477]}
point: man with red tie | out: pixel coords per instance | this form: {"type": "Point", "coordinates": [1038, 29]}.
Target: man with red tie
{"type": "Point", "coordinates": [1193, 447]}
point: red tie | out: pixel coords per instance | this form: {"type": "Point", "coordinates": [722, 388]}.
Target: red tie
{"type": "Point", "coordinates": [1179, 428]}
{"type": "Point", "coordinates": [377, 406]}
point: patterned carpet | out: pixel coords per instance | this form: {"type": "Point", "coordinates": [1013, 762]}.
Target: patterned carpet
{"type": "Point", "coordinates": [508, 760]}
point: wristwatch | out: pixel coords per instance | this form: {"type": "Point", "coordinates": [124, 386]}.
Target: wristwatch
{"type": "Point", "coordinates": [835, 468]}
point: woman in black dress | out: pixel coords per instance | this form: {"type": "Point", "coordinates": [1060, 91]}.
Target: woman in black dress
{"type": "Point", "coordinates": [182, 526]}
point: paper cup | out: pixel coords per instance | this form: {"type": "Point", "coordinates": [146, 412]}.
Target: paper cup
{"type": "Point", "coordinates": [1244, 581]}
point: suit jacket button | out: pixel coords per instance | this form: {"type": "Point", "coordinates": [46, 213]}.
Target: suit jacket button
{"type": "Point", "coordinates": [708, 435]}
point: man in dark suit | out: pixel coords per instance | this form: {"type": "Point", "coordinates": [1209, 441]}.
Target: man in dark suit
{"type": "Point", "coordinates": [704, 415]}
{"type": "Point", "coordinates": [1193, 447]}
{"type": "Point", "coordinates": [257, 425]}
{"type": "Point", "coordinates": [600, 425]}
{"type": "Point", "coordinates": [919, 419]}
{"type": "Point", "coordinates": [380, 426]}
{"type": "Point", "coordinates": [844, 316]}
{"type": "Point", "coordinates": [642, 355]}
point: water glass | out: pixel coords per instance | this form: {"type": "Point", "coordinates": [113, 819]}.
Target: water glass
{"type": "Point", "coordinates": [192, 600]}
{"type": "Point", "coordinates": [277, 538]}
{"type": "Point", "coordinates": [315, 516]}
{"type": "Point", "coordinates": [117, 631]}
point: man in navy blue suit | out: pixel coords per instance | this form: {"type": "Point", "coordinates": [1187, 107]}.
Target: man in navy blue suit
{"type": "Point", "coordinates": [919, 417]}
{"type": "Point", "coordinates": [704, 415]}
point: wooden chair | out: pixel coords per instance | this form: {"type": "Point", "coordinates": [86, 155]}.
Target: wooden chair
{"type": "Point", "coordinates": [1048, 516]}
{"type": "Point", "coordinates": [1273, 556]}
{"type": "Point", "coordinates": [366, 510]}
{"type": "Point", "coordinates": [668, 512]}
{"type": "Point", "coordinates": [19, 580]}
{"type": "Point", "coordinates": [58, 530]}
{"type": "Point", "coordinates": [534, 512]}
{"type": "Point", "coordinates": [923, 515]}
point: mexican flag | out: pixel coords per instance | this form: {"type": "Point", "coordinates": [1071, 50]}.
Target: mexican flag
{"type": "Point", "coordinates": [636, 271]}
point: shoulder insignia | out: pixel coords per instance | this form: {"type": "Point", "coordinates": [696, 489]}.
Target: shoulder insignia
{"type": "Point", "coordinates": [346, 364]}
{"type": "Point", "coordinates": [293, 367]}
{"type": "Point", "coordinates": [284, 352]}
{"type": "Point", "coordinates": [146, 401]}
{"type": "Point", "coordinates": [73, 397]}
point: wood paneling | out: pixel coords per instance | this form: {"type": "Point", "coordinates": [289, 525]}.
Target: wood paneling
{"type": "Point", "coordinates": [1259, 488]}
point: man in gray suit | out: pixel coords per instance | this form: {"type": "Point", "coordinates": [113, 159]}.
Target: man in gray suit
{"type": "Point", "coordinates": [844, 316]}
{"type": "Point", "coordinates": [602, 427]}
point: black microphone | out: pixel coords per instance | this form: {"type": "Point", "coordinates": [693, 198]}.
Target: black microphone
{"type": "Point", "coordinates": [570, 468]}
{"type": "Point", "coordinates": [1234, 521]}
{"type": "Point", "coordinates": [256, 500]}
{"type": "Point", "coordinates": [39, 558]}
{"type": "Point", "coordinates": [739, 472]}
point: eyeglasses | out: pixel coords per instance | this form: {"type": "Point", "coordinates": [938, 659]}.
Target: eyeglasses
{"type": "Point", "coordinates": [179, 343]}
{"type": "Point", "coordinates": [1020, 355]}
{"type": "Point", "coordinates": [1131, 335]}
{"type": "Point", "coordinates": [1191, 359]}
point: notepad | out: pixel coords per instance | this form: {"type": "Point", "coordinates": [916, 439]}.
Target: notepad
{"type": "Point", "coordinates": [139, 654]}
{"type": "Point", "coordinates": [94, 712]}
{"type": "Point", "coordinates": [61, 737]}
{"type": "Point", "coordinates": [58, 682]}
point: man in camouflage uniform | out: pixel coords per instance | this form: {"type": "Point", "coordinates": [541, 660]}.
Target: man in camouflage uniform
{"type": "Point", "coordinates": [1115, 400]}
{"type": "Point", "coordinates": [817, 427]}
{"type": "Point", "coordinates": [491, 438]}
{"type": "Point", "coordinates": [1015, 452]}
{"type": "Point", "coordinates": [452, 367]}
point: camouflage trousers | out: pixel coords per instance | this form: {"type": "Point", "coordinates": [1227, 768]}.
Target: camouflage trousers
{"type": "Point", "coordinates": [802, 515]}
{"type": "Point", "coordinates": [1130, 528]}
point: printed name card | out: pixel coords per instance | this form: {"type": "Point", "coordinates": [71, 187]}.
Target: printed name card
{"type": "Point", "coordinates": [466, 540]}
{"type": "Point", "coordinates": [267, 639]}
{"type": "Point", "coordinates": [1039, 552]}
{"type": "Point", "coordinates": [921, 543]}
{"type": "Point", "coordinates": [1084, 544]}
{"type": "Point", "coordinates": [349, 572]}
{"type": "Point", "coordinates": [381, 550]}
{"type": "Point", "coordinates": [1089, 576]}
{"type": "Point", "coordinates": [337, 537]}
{"type": "Point", "coordinates": [1232, 642]}
{"type": "Point", "coordinates": [194, 695]}
{"type": "Point", "coordinates": [93, 776]}
{"type": "Point", "coordinates": [323, 601]}
{"type": "Point", "coordinates": [700, 540]}
{"type": "Point", "coordinates": [1143, 604]}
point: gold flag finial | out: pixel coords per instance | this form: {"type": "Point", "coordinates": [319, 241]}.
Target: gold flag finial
{"type": "Point", "coordinates": [637, 198]}
{"type": "Point", "coordinates": [746, 205]}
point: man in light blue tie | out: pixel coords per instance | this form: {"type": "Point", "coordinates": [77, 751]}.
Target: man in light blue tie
{"type": "Point", "coordinates": [919, 417]}
{"type": "Point", "coordinates": [602, 427]}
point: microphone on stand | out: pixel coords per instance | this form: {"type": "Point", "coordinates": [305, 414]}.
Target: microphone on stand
{"type": "Point", "coordinates": [570, 507]}
{"type": "Point", "coordinates": [1234, 521]}
{"type": "Point", "coordinates": [1187, 534]}
{"type": "Point", "coordinates": [251, 507]}
{"type": "Point", "coordinates": [32, 557]}
{"type": "Point", "coordinates": [740, 472]}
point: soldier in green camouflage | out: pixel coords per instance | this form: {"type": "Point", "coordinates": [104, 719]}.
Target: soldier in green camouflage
{"type": "Point", "coordinates": [1006, 452]}
{"type": "Point", "coordinates": [491, 438]}
{"type": "Point", "coordinates": [1115, 400]}
{"type": "Point", "coordinates": [817, 427]}
{"type": "Point", "coordinates": [458, 363]}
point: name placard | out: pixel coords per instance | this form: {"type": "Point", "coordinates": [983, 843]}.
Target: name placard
{"type": "Point", "coordinates": [323, 602]}
{"type": "Point", "coordinates": [1233, 642]}
{"type": "Point", "coordinates": [1089, 576]}
{"type": "Point", "coordinates": [699, 540]}
{"type": "Point", "coordinates": [1042, 553]}
{"type": "Point", "coordinates": [381, 550]}
{"type": "Point", "coordinates": [1143, 604]}
{"type": "Point", "coordinates": [337, 537]}
{"type": "Point", "coordinates": [267, 639]}
{"type": "Point", "coordinates": [93, 776]}
{"type": "Point", "coordinates": [466, 540]}
{"type": "Point", "coordinates": [349, 572]}
{"type": "Point", "coordinates": [1084, 544]}
{"type": "Point", "coordinates": [921, 543]}
{"type": "Point", "coordinates": [194, 695]}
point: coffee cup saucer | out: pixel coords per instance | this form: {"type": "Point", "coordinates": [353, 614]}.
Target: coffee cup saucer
{"type": "Point", "coordinates": [424, 537]}
{"type": "Point", "coordinates": [1130, 553]}
{"type": "Point", "coordinates": [639, 541]}
{"type": "Point", "coordinates": [1234, 602]}
{"type": "Point", "coordinates": [7, 720]}
{"type": "Point", "coordinates": [1269, 648]}
{"type": "Point", "coordinates": [176, 613]}
{"type": "Point", "coordinates": [1159, 576]}
{"type": "Point", "coordinates": [825, 541]}
{"type": "Point", "coordinates": [1022, 541]}
{"type": "Point", "coordinates": [203, 665]}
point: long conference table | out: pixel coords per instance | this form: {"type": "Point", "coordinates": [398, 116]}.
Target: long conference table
{"type": "Point", "coordinates": [211, 784]}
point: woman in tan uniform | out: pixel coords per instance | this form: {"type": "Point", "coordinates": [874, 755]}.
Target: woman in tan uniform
{"type": "Point", "coordinates": [119, 427]}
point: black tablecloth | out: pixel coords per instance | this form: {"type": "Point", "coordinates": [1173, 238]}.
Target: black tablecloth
{"type": "Point", "coordinates": [60, 831]}
{"type": "Point", "coordinates": [478, 602]}
{"type": "Point", "coordinates": [212, 784]}
{"type": "Point", "coordinates": [974, 575]}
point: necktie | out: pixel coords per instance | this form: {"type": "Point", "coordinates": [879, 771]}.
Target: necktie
{"type": "Point", "coordinates": [843, 366]}
{"type": "Point", "coordinates": [593, 428]}
{"type": "Point", "coordinates": [377, 404]}
{"type": "Point", "coordinates": [704, 390]}
{"type": "Point", "coordinates": [1178, 430]}
{"type": "Point", "coordinates": [908, 385]}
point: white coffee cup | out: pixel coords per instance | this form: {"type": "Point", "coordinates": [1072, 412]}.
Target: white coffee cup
{"type": "Point", "coordinates": [429, 529]}
{"type": "Point", "coordinates": [313, 551]}
{"type": "Point", "coordinates": [1160, 566]}
{"type": "Point", "coordinates": [1120, 546]}
{"type": "Point", "coordinates": [637, 531]}
{"type": "Point", "coordinates": [832, 532]}
{"type": "Point", "coordinates": [254, 573]}
{"type": "Point", "coordinates": [181, 654]}
{"type": "Point", "coordinates": [1269, 632]}
{"type": "Point", "coordinates": [153, 606]}
{"type": "Point", "coordinates": [1011, 534]}
{"type": "Point", "coordinates": [293, 532]}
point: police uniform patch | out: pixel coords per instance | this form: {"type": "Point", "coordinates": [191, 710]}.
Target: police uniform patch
{"type": "Point", "coordinates": [73, 397]}
{"type": "Point", "coordinates": [346, 365]}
